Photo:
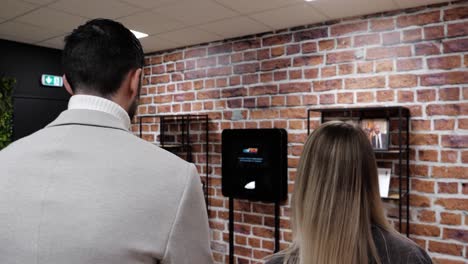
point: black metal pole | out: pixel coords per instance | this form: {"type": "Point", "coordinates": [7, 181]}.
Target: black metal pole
{"type": "Point", "coordinates": [231, 230]}
{"type": "Point", "coordinates": [207, 184]}
{"type": "Point", "coordinates": [277, 226]}
{"type": "Point", "coordinates": [141, 125]}
{"type": "Point", "coordinates": [407, 173]}
{"type": "Point", "coordinates": [400, 165]}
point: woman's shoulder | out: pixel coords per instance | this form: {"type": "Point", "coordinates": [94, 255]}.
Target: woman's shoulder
{"type": "Point", "coordinates": [395, 248]}
{"type": "Point", "coordinates": [275, 259]}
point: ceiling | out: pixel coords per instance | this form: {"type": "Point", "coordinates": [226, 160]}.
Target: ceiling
{"type": "Point", "coordinates": [177, 23]}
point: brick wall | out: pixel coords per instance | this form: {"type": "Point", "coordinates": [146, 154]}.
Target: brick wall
{"type": "Point", "coordinates": [415, 58]}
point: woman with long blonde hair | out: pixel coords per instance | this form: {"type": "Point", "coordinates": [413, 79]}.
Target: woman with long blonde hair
{"type": "Point", "coordinates": [337, 214]}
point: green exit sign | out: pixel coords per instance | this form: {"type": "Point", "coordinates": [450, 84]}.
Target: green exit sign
{"type": "Point", "coordinates": [51, 80]}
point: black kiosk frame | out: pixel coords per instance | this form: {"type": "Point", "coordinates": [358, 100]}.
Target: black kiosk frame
{"type": "Point", "coordinates": [254, 167]}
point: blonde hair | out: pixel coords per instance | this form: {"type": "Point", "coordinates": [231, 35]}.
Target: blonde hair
{"type": "Point", "coordinates": [336, 199]}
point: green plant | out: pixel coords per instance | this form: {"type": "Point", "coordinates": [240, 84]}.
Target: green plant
{"type": "Point", "coordinates": [6, 110]}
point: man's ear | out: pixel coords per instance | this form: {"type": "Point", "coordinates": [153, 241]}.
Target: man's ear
{"type": "Point", "coordinates": [135, 82]}
{"type": "Point", "coordinates": [67, 85]}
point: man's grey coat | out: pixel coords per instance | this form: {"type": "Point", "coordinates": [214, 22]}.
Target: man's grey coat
{"type": "Point", "coordinates": [85, 190]}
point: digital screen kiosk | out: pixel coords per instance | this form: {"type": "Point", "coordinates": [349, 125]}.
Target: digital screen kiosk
{"type": "Point", "coordinates": [254, 164]}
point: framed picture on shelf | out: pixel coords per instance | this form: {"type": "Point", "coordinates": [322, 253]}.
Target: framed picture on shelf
{"type": "Point", "coordinates": [377, 132]}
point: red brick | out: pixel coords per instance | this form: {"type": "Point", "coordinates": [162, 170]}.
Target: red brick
{"type": "Point", "coordinates": [327, 85]}
{"type": "Point", "coordinates": [403, 81]}
{"type": "Point", "coordinates": [388, 52]}
{"type": "Point", "coordinates": [420, 125]}
{"type": "Point", "coordinates": [391, 38]}
{"type": "Point", "coordinates": [263, 89]}
{"type": "Point", "coordinates": [445, 248]}
{"type": "Point", "coordinates": [246, 68]}
{"type": "Point", "coordinates": [384, 66]}
{"type": "Point", "coordinates": [382, 24]}
{"type": "Point", "coordinates": [424, 139]}
{"type": "Point", "coordinates": [246, 44]}
{"type": "Point", "coordinates": [444, 124]}
{"type": "Point", "coordinates": [310, 73]}
{"type": "Point", "coordinates": [409, 64]}
{"type": "Point", "coordinates": [456, 234]}
{"type": "Point", "coordinates": [428, 48]}
{"type": "Point", "coordinates": [455, 141]}
{"type": "Point", "coordinates": [434, 32]}
{"type": "Point", "coordinates": [419, 170]}
{"type": "Point", "coordinates": [277, 40]}
{"type": "Point", "coordinates": [426, 95]}
{"type": "Point", "coordinates": [280, 75]}
{"type": "Point", "coordinates": [447, 187]}
{"type": "Point", "coordinates": [457, 77]}
{"type": "Point", "coordinates": [233, 92]}
{"type": "Point", "coordinates": [310, 99]}
{"type": "Point", "coordinates": [405, 96]}
{"type": "Point", "coordinates": [365, 67]}
{"type": "Point", "coordinates": [343, 29]}
{"type": "Point", "coordinates": [412, 35]}
{"type": "Point", "coordinates": [426, 216]}
{"type": "Point", "coordinates": [208, 94]}
{"type": "Point", "coordinates": [263, 102]}
{"type": "Point", "coordinates": [309, 47]}
{"type": "Point", "coordinates": [195, 53]}
{"type": "Point", "coordinates": [275, 64]}
{"type": "Point", "coordinates": [293, 100]}
{"type": "Point", "coordinates": [463, 123]}
{"type": "Point", "coordinates": [156, 60]}
{"type": "Point", "coordinates": [219, 71]}
{"type": "Point", "coordinates": [456, 45]}
{"type": "Point", "coordinates": [293, 49]}
{"type": "Point", "coordinates": [365, 82]}
{"type": "Point", "coordinates": [298, 87]}
{"type": "Point", "coordinates": [345, 69]}
{"type": "Point", "coordinates": [445, 109]}
{"type": "Point", "coordinates": [448, 156]}
{"type": "Point", "coordinates": [345, 98]}
{"type": "Point", "coordinates": [327, 99]}
{"type": "Point", "coordinates": [184, 97]}
{"type": "Point", "coordinates": [366, 40]}
{"type": "Point", "coordinates": [173, 56]}
{"type": "Point", "coordinates": [343, 43]}
{"type": "Point", "coordinates": [341, 56]}
{"type": "Point", "coordinates": [385, 96]}
{"type": "Point", "coordinates": [219, 49]}
{"type": "Point", "coordinates": [450, 219]}
{"type": "Point", "coordinates": [263, 54]}
{"type": "Point", "coordinates": [453, 203]}
{"type": "Point", "coordinates": [446, 62]}
{"type": "Point", "coordinates": [424, 230]}
{"type": "Point", "coordinates": [328, 44]}
{"type": "Point", "coordinates": [307, 61]}
{"type": "Point", "coordinates": [329, 71]}
{"type": "Point", "coordinates": [264, 114]}
{"type": "Point", "coordinates": [365, 97]}
{"type": "Point", "coordinates": [418, 19]}
{"type": "Point", "coordinates": [275, 52]}
{"type": "Point", "coordinates": [311, 34]}
{"type": "Point", "coordinates": [295, 74]}
{"type": "Point", "coordinates": [197, 74]}
{"type": "Point", "coordinates": [428, 155]}
{"type": "Point", "coordinates": [456, 13]}
{"type": "Point", "coordinates": [449, 94]}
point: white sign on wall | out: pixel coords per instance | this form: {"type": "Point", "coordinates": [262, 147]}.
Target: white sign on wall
{"type": "Point", "coordinates": [51, 80]}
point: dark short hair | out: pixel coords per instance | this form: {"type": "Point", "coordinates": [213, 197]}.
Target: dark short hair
{"type": "Point", "coordinates": [98, 55]}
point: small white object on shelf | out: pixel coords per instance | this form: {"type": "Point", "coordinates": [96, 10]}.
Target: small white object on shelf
{"type": "Point", "coordinates": [384, 181]}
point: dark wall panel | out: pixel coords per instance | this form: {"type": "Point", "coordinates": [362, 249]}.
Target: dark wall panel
{"type": "Point", "coordinates": [35, 105]}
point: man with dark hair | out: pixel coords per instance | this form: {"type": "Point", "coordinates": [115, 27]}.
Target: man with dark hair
{"type": "Point", "coordinates": [84, 189]}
